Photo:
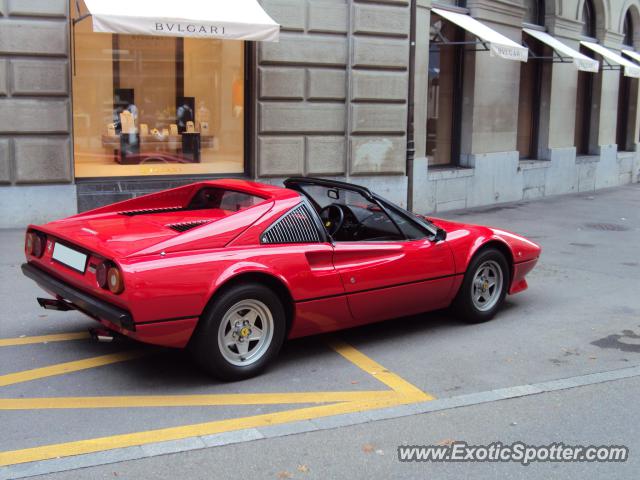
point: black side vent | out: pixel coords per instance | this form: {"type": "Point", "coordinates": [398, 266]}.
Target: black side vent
{"type": "Point", "coordinates": [147, 211]}
{"type": "Point", "coordinates": [184, 226]}
{"type": "Point", "coordinates": [297, 226]}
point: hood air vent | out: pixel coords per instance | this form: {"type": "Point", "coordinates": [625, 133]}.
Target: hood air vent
{"type": "Point", "coordinates": [147, 211]}
{"type": "Point", "coordinates": [184, 226]}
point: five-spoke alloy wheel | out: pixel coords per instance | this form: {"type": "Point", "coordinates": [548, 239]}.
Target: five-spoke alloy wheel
{"type": "Point", "coordinates": [245, 332]}
{"type": "Point", "coordinates": [240, 332]}
{"type": "Point", "coordinates": [484, 287]}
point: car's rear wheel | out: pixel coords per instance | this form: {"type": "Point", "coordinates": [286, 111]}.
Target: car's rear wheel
{"type": "Point", "coordinates": [483, 288]}
{"type": "Point", "coordinates": [240, 332]}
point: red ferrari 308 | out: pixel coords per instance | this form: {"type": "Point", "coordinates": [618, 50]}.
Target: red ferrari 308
{"type": "Point", "coordinates": [230, 268]}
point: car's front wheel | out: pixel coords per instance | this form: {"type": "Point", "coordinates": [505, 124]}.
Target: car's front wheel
{"type": "Point", "coordinates": [484, 287]}
{"type": "Point", "coordinates": [240, 332]}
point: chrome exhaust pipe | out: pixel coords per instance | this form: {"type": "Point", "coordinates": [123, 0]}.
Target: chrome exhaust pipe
{"type": "Point", "coordinates": [101, 335]}
{"type": "Point", "coordinates": [54, 304]}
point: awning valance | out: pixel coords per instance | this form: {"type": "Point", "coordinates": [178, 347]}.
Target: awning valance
{"type": "Point", "coordinates": [582, 62]}
{"type": "Point", "coordinates": [633, 54]}
{"type": "Point", "coordinates": [497, 43]}
{"type": "Point", "coordinates": [630, 69]}
{"type": "Point", "coordinates": [236, 19]}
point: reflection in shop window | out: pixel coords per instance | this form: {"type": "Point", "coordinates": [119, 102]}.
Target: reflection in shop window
{"type": "Point", "coordinates": [534, 12]}
{"type": "Point", "coordinates": [625, 122]}
{"type": "Point", "coordinates": [529, 101]}
{"type": "Point", "coordinates": [531, 73]}
{"type": "Point", "coordinates": [584, 133]}
{"type": "Point", "coordinates": [444, 94]}
{"type": "Point", "coordinates": [146, 105]}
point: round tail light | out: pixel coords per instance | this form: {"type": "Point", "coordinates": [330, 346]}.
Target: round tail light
{"type": "Point", "coordinates": [34, 244]}
{"type": "Point", "coordinates": [101, 274]}
{"type": "Point", "coordinates": [28, 243]}
{"type": "Point", "coordinates": [114, 280]}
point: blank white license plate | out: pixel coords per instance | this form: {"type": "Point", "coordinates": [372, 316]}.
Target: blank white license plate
{"type": "Point", "coordinates": [69, 257]}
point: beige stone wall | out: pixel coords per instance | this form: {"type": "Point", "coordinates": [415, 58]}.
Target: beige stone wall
{"type": "Point", "coordinates": [35, 116]}
{"type": "Point", "coordinates": [332, 94]}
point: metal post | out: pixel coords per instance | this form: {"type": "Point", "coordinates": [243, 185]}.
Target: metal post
{"type": "Point", "coordinates": [411, 148]}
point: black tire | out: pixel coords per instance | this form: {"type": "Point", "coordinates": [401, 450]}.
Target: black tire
{"type": "Point", "coordinates": [463, 305]}
{"type": "Point", "coordinates": [205, 345]}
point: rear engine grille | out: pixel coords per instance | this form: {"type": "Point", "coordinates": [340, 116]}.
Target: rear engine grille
{"type": "Point", "coordinates": [297, 226]}
{"type": "Point", "coordinates": [147, 211]}
{"type": "Point", "coordinates": [184, 226]}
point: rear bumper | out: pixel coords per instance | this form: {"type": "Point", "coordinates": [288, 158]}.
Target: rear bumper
{"type": "Point", "coordinates": [80, 300]}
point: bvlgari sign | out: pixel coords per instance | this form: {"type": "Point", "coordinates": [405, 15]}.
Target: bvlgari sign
{"type": "Point", "coordinates": [212, 30]}
{"type": "Point", "coordinates": [237, 19]}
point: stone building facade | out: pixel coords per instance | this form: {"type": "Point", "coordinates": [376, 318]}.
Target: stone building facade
{"type": "Point", "coordinates": [345, 94]}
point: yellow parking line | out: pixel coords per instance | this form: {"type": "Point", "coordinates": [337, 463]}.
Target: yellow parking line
{"type": "Point", "coordinates": [176, 433]}
{"type": "Point", "coordinates": [67, 367]}
{"type": "Point", "coordinates": [373, 368]}
{"type": "Point", "coordinates": [348, 402]}
{"type": "Point", "coordinates": [57, 337]}
{"type": "Point", "coordinates": [194, 400]}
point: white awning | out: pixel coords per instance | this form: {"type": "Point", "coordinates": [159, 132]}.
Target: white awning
{"type": "Point", "coordinates": [633, 54]}
{"type": "Point", "coordinates": [235, 19]}
{"type": "Point", "coordinates": [630, 69]}
{"type": "Point", "coordinates": [582, 62]}
{"type": "Point", "coordinates": [497, 43]}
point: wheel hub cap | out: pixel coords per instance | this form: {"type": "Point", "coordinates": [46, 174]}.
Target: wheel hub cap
{"type": "Point", "coordinates": [245, 332]}
{"type": "Point", "coordinates": [487, 285]}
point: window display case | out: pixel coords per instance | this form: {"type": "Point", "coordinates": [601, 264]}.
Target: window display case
{"type": "Point", "coordinates": [145, 105]}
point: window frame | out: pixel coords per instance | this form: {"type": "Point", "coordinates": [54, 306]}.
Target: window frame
{"type": "Point", "coordinates": [457, 84]}
{"type": "Point", "coordinates": [322, 231]}
{"type": "Point", "coordinates": [249, 124]}
{"type": "Point", "coordinates": [297, 183]}
{"type": "Point", "coordinates": [588, 28]}
{"type": "Point", "coordinates": [627, 29]}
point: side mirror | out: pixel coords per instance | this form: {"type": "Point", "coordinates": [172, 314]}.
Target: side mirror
{"type": "Point", "coordinates": [441, 235]}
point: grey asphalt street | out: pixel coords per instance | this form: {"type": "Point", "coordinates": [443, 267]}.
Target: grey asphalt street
{"type": "Point", "coordinates": [580, 316]}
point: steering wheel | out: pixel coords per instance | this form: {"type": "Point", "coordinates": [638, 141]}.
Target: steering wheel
{"type": "Point", "coordinates": [332, 217]}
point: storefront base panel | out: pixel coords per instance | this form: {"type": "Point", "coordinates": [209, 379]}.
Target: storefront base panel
{"type": "Point", "coordinates": [494, 178]}
{"type": "Point", "coordinates": [22, 205]}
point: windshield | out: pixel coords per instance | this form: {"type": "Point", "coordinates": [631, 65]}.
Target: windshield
{"type": "Point", "coordinates": [364, 218]}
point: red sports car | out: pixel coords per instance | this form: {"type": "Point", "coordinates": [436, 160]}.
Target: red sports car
{"type": "Point", "coordinates": [230, 268]}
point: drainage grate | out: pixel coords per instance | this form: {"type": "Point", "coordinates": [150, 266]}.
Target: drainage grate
{"type": "Point", "coordinates": [606, 227]}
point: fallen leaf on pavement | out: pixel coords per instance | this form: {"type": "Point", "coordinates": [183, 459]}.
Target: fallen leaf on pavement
{"type": "Point", "coordinates": [303, 468]}
{"type": "Point", "coordinates": [368, 448]}
{"type": "Point", "coordinates": [446, 441]}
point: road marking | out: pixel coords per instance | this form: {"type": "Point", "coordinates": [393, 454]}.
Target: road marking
{"type": "Point", "coordinates": [67, 367]}
{"type": "Point", "coordinates": [57, 337]}
{"type": "Point", "coordinates": [373, 368]}
{"type": "Point", "coordinates": [176, 433]}
{"type": "Point", "coordinates": [402, 392]}
{"type": "Point", "coordinates": [47, 403]}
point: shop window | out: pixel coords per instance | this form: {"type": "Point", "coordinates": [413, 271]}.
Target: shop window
{"type": "Point", "coordinates": [624, 125]}
{"type": "Point", "coordinates": [444, 94]}
{"type": "Point", "coordinates": [531, 85]}
{"type": "Point", "coordinates": [588, 19]}
{"type": "Point", "coordinates": [534, 12]}
{"type": "Point", "coordinates": [147, 105]}
{"type": "Point", "coordinates": [584, 100]}
{"type": "Point", "coordinates": [529, 100]}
